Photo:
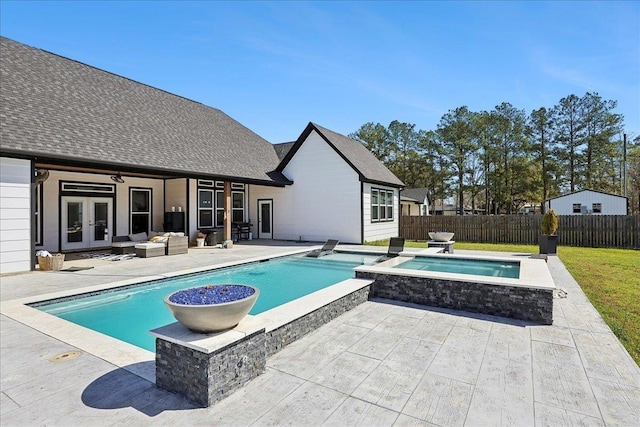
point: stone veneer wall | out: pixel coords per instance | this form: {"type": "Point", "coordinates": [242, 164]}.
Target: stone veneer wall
{"type": "Point", "coordinates": [279, 338]}
{"type": "Point", "coordinates": [205, 378]}
{"type": "Point", "coordinates": [506, 301]}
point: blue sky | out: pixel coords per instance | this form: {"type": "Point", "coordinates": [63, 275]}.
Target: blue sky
{"type": "Point", "coordinates": [275, 66]}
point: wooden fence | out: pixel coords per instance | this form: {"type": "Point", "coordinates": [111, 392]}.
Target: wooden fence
{"type": "Point", "coordinates": [599, 231]}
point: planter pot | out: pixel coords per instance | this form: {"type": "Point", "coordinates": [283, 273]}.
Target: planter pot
{"type": "Point", "coordinates": [212, 308]}
{"type": "Point", "coordinates": [548, 244]}
{"type": "Point", "coordinates": [441, 236]}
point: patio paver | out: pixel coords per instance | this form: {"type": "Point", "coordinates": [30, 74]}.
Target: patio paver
{"type": "Point", "coordinates": [383, 363]}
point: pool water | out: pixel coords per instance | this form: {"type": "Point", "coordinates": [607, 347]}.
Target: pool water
{"type": "Point", "coordinates": [129, 314]}
{"type": "Point", "coordinates": [478, 267]}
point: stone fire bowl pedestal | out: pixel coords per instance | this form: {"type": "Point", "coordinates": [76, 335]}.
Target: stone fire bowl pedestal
{"type": "Point", "coordinates": [441, 236]}
{"type": "Point", "coordinates": [212, 308]}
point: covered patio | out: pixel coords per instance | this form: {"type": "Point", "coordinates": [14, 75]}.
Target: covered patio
{"type": "Point", "coordinates": [383, 363]}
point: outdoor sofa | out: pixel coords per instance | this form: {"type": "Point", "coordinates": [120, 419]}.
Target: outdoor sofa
{"type": "Point", "coordinates": [174, 243]}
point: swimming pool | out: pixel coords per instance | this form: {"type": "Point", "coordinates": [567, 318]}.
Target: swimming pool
{"type": "Point", "coordinates": [128, 314]}
{"type": "Point", "coordinates": [480, 267]}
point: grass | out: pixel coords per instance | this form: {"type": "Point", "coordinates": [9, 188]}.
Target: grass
{"type": "Point", "coordinates": [609, 277]}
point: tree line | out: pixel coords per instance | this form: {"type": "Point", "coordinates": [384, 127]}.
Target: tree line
{"type": "Point", "coordinates": [500, 160]}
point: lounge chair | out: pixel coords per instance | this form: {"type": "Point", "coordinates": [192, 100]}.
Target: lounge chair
{"type": "Point", "coordinates": [396, 245]}
{"type": "Point", "coordinates": [326, 249]}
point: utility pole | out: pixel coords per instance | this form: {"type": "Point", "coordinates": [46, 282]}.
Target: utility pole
{"type": "Point", "coordinates": [624, 165]}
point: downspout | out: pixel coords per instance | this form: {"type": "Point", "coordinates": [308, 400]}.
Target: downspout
{"type": "Point", "coordinates": [33, 215]}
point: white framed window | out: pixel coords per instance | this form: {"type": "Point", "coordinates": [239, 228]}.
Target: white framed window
{"type": "Point", "coordinates": [237, 206]}
{"type": "Point", "coordinates": [81, 187]}
{"type": "Point", "coordinates": [205, 208]}
{"type": "Point", "coordinates": [375, 201]}
{"type": "Point", "coordinates": [381, 205]}
{"type": "Point", "coordinates": [206, 183]}
{"type": "Point", "coordinates": [140, 210]}
{"type": "Point", "coordinates": [577, 208]}
{"type": "Point", "coordinates": [211, 207]}
{"type": "Point", "coordinates": [596, 208]}
{"type": "Point", "coordinates": [219, 208]}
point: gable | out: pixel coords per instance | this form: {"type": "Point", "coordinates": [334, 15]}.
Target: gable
{"type": "Point", "coordinates": [356, 155]}
{"type": "Point", "coordinates": [587, 193]}
{"type": "Point", "coordinates": [417, 194]}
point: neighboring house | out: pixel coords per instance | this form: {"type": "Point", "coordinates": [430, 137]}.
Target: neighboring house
{"type": "Point", "coordinates": [414, 202]}
{"type": "Point", "coordinates": [87, 155]}
{"type": "Point", "coordinates": [444, 208]}
{"type": "Point", "coordinates": [588, 202]}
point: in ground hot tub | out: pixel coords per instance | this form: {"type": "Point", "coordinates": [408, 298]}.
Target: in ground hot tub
{"type": "Point", "coordinates": [514, 288]}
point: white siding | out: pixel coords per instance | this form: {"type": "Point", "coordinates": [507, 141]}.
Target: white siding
{"type": "Point", "coordinates": [283, 208]}
{"type": "Point", "coordinates": [15, 215]}
{"type": "Point", "coordinates": [324, 201]}
{"type": "Point", "coordinates": [611, 204]}
{"type": "Point", "coordinates": [383, 229]}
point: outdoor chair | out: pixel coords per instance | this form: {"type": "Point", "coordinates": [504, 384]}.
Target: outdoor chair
{"type": "Point", "coordinates": [326, 249]}
{"type": "Point", "coordinates": [396, 245]}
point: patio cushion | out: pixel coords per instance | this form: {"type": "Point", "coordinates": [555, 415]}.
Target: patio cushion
{"type": "Point", "coordinates": [138, 237]}
{"type": "Point", "coordinates": [149, 245]}
{"type": "Point", "coordinates": [148, 249]}
{"type": "Point", "coordinates": [125, 244]}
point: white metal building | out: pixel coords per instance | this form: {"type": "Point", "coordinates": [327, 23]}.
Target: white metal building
{"type": "Point", "coordinates": [588, 202]}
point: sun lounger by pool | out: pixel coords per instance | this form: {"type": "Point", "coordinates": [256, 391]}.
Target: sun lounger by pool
{"type": "Point", "coordinates": [326, 249]}
{"type": "Point", "coordinates": [396, 245]}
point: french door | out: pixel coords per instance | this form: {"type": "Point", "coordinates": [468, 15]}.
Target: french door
{"type": "Point", "coordinates": [87, 222]}
{"type": "Point", "coordinates": [265, 219]}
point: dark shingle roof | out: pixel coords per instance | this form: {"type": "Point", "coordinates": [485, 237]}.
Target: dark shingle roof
{"type": "Point", "coordinates": [282, 149]}
{"type": "Point", "coordinates": [353, 152]}
{"type": "Point", "coordinates": [57, 108]}
{"type": "Point", "coordinates": [415, 194]}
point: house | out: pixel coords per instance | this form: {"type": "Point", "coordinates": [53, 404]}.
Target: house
{"type": "Point", "coordinates": [86, 155]}
{"type": "Point", "coordinates": [444, 207]}
{"type": "Point", "coordinates": [588, 202]}
{"type": "Point", "coordinates": [414, 202]}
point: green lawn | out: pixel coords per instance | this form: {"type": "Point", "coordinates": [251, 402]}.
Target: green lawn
{"type": "Point", "coordinates": [609, 277]}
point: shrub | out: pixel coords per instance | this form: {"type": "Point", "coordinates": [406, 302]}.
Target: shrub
{"type": "Point", "coordinates": [549, 222]}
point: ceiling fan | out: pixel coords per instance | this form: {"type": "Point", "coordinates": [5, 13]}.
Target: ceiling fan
{"type": "Point", "coordinates": [117, 178]}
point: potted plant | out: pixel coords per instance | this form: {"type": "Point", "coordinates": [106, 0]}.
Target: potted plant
{"type": "Point", "coordinates": [212, 308]}
{"type": "Point", "coordinates": [200, 238]}
{"type": "Point", "coordinates": [548, 241]}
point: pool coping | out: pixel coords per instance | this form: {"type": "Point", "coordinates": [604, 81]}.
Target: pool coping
{"type": "Point", "coordinates": [269, 320]}
{"type": "Point", "coordinates": [140, 361]}
{"type": "Point", "coordinates": [534, 273]}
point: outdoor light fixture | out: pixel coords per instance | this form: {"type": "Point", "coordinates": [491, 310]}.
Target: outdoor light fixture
{"type": "Point", "coordinates": [41, 176]}
{"type": "Point", "coordinates": [117, 178]}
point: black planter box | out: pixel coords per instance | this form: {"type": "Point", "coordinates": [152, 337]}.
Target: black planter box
{"type": "Point", "coordinates": [548, 244]}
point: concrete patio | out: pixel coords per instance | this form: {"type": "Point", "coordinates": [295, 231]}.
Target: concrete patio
{"type": "Point", "coordinates": [383, 363]}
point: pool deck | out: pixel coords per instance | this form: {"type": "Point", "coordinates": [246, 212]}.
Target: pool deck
{"type": "Point", "coordinates": [383, 363]}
